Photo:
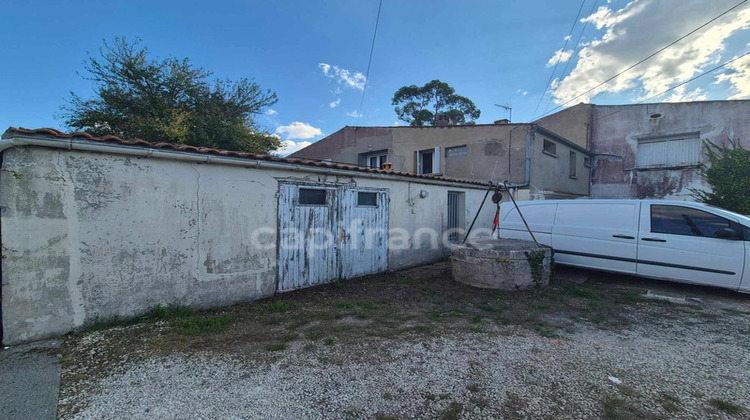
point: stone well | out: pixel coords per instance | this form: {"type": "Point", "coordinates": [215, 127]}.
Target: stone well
{"type": "Point", "coordinates": [505, 264]}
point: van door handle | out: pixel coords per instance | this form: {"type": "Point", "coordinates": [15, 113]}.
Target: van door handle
{"type": "Point", "coordinates": [623, 236]}
{"type": "Point", "coordinates": [654, 239]}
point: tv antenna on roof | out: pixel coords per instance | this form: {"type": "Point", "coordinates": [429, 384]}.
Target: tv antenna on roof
{"type": "Point", "coordinates": [509, 109]}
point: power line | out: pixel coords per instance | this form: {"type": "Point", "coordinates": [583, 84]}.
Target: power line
{"type": "Point", "coordinates": [369, 61]}
{"type": "Point", "coordinates": [567, 38]}
{"type": "Point", "coordinates": [567, 62]}
{"type": "Point", "coordinates": [641, 61]}
{"type": "Point", "coordinates": [681, 84]}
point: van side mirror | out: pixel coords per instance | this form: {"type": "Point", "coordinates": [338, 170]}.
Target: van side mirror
{"type": "Point", "coordinates": [727, 233]}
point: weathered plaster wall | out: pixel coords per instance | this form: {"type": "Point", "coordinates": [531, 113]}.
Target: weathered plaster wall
{"type": "Point", "coordinates": [572, 123]}
{"type": "Point", "coordinates": [615, 140]}
{"type": "Point", "coordinates": [494, 152]}
{"type": "Point", "coordinates": [346, 144]}
{"type": "Point", "coordinates": [550, 175]}
{"type": "Point", "coordinates": [90, 235]}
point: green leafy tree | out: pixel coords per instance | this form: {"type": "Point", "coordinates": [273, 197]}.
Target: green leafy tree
{"type": "Point", "coordinates": [168, 100]}
{"type": "Point", "coordinates": [425, 105]}
{"type": "Point", "coordinates": [728, 177]}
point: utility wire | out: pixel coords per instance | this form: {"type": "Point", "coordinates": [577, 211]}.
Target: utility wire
{"type": "Point", "coordinates": [369, 61]}
{"type": "Point", "coordinates": [567, 62]}
{"type": "Point", "coordinates": [641, 61]}
{"type": "Point", "coordinates": [567, 38]}
{"type": "Point", "coordinates": [681, 84]}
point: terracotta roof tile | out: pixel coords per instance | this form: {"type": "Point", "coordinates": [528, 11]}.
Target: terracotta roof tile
{"type": "Point", "coordinates": [209, 151]}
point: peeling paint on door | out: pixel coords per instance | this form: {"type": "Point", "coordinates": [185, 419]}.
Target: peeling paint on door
{"type": "Point", "coordinates": [337, 239]}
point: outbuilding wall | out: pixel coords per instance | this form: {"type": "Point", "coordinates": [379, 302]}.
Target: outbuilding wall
{"type": "Point", "coordinates": [88, 236]}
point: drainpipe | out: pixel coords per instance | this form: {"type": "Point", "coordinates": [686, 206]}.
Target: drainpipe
{"type": "Point", "coordinates": [140, 151]}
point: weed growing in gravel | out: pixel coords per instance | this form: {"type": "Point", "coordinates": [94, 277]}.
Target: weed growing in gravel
{"type": "Point", "coordinates": [453, 412]}
{"type": "Point", "coordinates": [276, 306]}
{"type": "Point", "coordinates": [726, 406]}
{"type": "Point", "coordinates": [169, 312]}
{"type": "Point", "coordinates": [669, 402]}
{"type": "Point", "coordinates": [199, 325]}
{"type": "Point", "coordinates": [276, 347]}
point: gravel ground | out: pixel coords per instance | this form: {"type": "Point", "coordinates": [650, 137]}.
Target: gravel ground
{"type": "Point", "coordinates": [667, 366]}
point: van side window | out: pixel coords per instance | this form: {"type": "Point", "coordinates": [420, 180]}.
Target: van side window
{"type": "Point", "coordinates": [678, 220]}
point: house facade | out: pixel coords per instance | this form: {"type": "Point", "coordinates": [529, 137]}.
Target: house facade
{"type": "Point", "coordinates": [94, 228]}
{"type": "Point", "coordinates": [651, 150]}
{"type": "Point", "coordinates": [537, 161]}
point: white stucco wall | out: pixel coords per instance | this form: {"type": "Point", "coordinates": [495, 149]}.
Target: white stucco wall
{"type": "Point", "coordinates": [88, 235]}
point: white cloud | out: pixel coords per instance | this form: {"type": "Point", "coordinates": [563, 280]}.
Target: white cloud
{"type": "Point", "coordinates": [522, 92]}
{"type": "Point", "coordinates": [288, 147]}
{"type": "Point", "coordinates": [271, 112]}
{"type": "Point", "coordinates": [559, 56]}
{"type": "Point", "coordinates": [298, 130]}
{"type": "Point", "coordinates": [347, 78]}
{"type": "Point", "coordinates": [354, 114]}
{"type": "Point", "coordinates": [641, 28]}
{"type": "Point", "coordinates": [738, 76]}
{"type": "Point", "coordinates": [335, 103]}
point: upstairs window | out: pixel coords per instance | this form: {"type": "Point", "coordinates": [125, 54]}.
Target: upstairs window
{"type": "Point", "coordinates": [428, 161]}
{"type": "Point", "coordinates": [549, 148]}
{"type": "Point", "coordinates": [374, 159]}
{"type": "Point", "coordinates": [669, 151]}
{"type": "Point", "coordinates": [573, 165]}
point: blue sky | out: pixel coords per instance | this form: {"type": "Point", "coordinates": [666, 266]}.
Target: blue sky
{"type": "Point", "coordinates": [314, 54]}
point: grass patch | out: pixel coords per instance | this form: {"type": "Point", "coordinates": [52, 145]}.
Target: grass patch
{"type": "Point", "coordinates": [276, 347]}
{"type": "Point", "coordinates": [492, 308]}
{"type": "Point", "coordinates": [169, 312]}
{"type": "Point", "coordinates": [199, 325]}
{"type": "Point", "coordinates": [329, 341]}
{"type": "Point", "coordinates": [453, 412]}
{"type": "Point", "coordinates": [289, 337]}
{"type": "Point", "coordinates": [473, 387]}
{"type": "Point", "coordinates": [726, 406]}
{"type": "Point", "coordinates": [669, 402]}
{"type": "Point", "coordinates": [614, 409]}
{"type": "Point", "coordinates": [580, 292]}
{"type": "Point", "coordinates": [276, 306]}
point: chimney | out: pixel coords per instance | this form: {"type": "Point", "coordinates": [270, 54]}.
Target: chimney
{"type": "Point", "coordinates": [503, 121]}
{"type": "Point", "coordinates": [444, 120]}
{"type": "Point", "coordinates": [387, 166]}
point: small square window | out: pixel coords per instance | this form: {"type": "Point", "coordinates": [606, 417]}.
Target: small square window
{"type": "Point", "coordinates": [587, 161]}
{"type": "Point", "coordinates": [550, 148]}
{"type": "Point", "coordinates": [369, 199]}
{"type": "Point", "coordinates": [312, 196]}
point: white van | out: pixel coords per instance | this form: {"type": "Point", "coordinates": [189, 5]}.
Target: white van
{"type": "Point", "coordinates": [670, 240]}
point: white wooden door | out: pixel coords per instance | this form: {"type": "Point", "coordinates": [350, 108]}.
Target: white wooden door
{"type": "Point", "coordinates": [307, 236]}
{"type": "Point", "coordinates": [364, 232]}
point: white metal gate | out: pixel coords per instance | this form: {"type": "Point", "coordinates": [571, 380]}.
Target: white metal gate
{"type": "Point", "coordinates": [364, 239]}
{"type": "Point", "coordinates": [330, 233]}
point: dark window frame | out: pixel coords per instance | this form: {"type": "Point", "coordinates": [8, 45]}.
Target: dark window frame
{"type": "Point", "coordinates": [549, 147]}
{"type": "Point", "coordinates": [371, 194]}
{"type": "Point", "coordinates": [307, 201]}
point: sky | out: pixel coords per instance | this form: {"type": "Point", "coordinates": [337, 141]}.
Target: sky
{"type": "Point", "coordinates": [534, 56]}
